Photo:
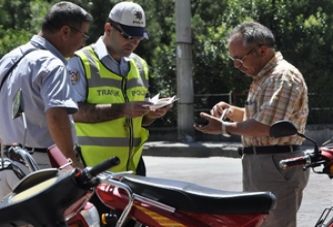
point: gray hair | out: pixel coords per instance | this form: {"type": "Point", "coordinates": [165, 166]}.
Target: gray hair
{"type": "Point", "coordinates": [253, 34]}
{"type": "Point", "coordinates": [65, 13]}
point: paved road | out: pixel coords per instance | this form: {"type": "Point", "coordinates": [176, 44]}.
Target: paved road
{"type": "Point", "coordinates": [225, 173]}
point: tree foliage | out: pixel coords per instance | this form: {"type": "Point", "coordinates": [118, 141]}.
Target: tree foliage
{"type": "Point", "coordinates": [303, 30]}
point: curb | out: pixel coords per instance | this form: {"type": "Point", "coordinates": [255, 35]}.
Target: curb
{"type": "Point", "coordinates": [193, 149]}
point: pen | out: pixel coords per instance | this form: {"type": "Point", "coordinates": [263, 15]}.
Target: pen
{"type": "Point", "coordinates": [225, 111]}
{"type": "Point", "coordinates": [249, 102]}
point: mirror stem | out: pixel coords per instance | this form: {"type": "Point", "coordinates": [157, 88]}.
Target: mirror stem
{"type": "Point", "coordinates": [25, 129]}
{"type": "Point", "coordinates": [316, 149]}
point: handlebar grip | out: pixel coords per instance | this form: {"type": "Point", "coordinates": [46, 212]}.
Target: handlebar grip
{"type": "Point", "coordinates": [291, 162]}
{"type": "Point", "coordinates": [103, 166]}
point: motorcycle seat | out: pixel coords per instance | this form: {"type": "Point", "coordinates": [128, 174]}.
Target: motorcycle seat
{"type": "Point", "coordinates": [197, 199]}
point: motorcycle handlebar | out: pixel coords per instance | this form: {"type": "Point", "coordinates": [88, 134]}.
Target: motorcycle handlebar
{"type": "Point", "coordinates": [109, 163]}
{"type": "Point", "coordinates": [291, 162]}
{"type": "Point", "coordinates": [85, 178]}
{"type": "Point", "coordinates": [323, 158]}
{"type": "Point", "coordinates": [17, 153]}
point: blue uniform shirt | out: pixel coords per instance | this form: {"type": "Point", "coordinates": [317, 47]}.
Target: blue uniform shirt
{"type": "Point", "coordinates": [45, 83]}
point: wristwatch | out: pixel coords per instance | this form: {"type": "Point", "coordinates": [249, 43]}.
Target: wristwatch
{"type": "Point", "coordinates": [224, 130]}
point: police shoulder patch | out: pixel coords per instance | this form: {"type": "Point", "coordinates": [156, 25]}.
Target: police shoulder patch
{"type": "Point", "coordinates": [74, 75]}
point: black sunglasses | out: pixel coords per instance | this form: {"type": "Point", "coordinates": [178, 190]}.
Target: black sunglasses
{"type": "Point", "coordinates": [124, 35]}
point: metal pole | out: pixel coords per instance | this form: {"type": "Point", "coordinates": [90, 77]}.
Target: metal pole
{"type": "Point", "coordinates": [184, 71]}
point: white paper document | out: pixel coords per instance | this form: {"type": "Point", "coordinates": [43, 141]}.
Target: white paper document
{"type": "Point", "coordinates": [158, 103]}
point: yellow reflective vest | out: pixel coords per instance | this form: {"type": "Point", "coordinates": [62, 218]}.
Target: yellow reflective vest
{"type": "Point", "coordinates": [123, 137]}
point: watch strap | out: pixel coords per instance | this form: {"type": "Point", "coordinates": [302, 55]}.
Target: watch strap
{"type": "Point", "coordinates": [224, 130]}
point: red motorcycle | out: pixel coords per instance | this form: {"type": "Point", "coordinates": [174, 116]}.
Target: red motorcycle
{"type": "Point", "coordinates": [320, 160]}
{"type": "Point", "coordinates": [157, 202]}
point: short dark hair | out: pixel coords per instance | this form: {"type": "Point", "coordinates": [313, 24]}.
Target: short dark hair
{"type": "Point", "coordinates": [65, 13]}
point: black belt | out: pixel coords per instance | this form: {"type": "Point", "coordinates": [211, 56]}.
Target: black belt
{"type": "Point", "coordinates": [27, 148]}
{"type": "Point", "coordinates": [277, 149]}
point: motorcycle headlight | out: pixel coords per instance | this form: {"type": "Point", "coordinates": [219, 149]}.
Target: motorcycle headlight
{"type": "Point", "coordinates": [90, 215]}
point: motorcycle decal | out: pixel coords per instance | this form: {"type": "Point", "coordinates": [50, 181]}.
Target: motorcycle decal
{"type": "Point", "coordinates": [161, 220]}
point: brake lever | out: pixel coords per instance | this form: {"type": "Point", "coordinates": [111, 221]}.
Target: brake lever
{"type": "Point", "coordinates": [314, 164]}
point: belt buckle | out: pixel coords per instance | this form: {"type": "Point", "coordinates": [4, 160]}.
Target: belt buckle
{"type": "Point", "coordinates": [240, 151]}
{"type": "Point", "coordinates": [291, 148]}
{"type": "Point", "coordinates": [254, 150]}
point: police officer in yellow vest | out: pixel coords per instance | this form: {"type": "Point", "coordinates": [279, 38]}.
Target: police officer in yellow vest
{"type": "Point", "coordinates": [110, 83]}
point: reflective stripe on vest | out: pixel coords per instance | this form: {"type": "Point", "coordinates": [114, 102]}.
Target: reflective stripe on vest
{"type": "Point", "coordinates": [123, 137]}
{"type": "Point", "coordinates": [105, 141]}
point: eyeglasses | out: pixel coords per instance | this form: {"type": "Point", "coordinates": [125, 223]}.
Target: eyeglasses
{"type": "Point", "coordinates": [241, 60]}
{"type": "Point", "coordinates": [84, 35]}
{"type": "Point", "coordinates": [124, 35]}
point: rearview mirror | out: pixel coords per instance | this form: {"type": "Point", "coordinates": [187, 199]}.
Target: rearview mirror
{"type": "Point", "coordinates": [17, 107]}
{"type": "Point", "coordinates": [282, 128]}
{"type": "Point", "coordinates": [17, 111]}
